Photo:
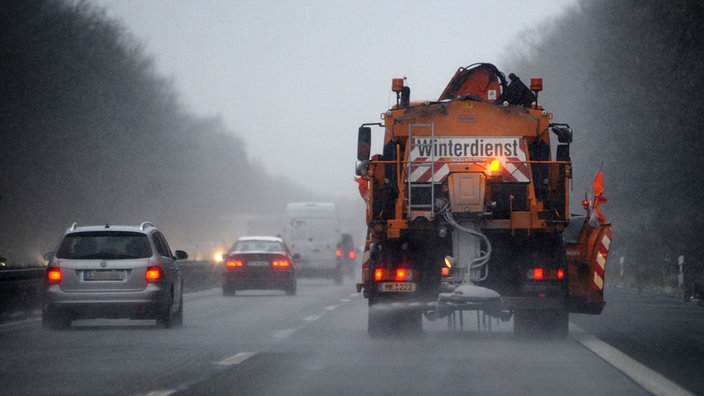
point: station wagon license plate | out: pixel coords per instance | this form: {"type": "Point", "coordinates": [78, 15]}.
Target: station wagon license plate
{"type": "Point", "coordinates": [397, 287]}
{"type": "Point", "coordinates": [103, 275]}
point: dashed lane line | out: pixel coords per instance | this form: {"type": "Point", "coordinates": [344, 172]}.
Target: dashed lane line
{"type": "Point", "coordinates": [236, 359]}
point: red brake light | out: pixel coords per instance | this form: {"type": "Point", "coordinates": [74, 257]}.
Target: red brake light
{"type": "Point", "coordinates": [281, 263]}
{"type": "Point", "coordinates": [153, 274]}
{"type": "Point", "coordinates": [338, 253]}
{"type": "Point", "coordinates": [53, 275]}
{"type": "Point", "coordinates": [401, 274]}
{"type": "Point", "coordinates": [351, 254]}
{"type": "Point", "coordinates": [234, 263]}
{"type": "Point", "coordinates": [538, 274]}
{"type": "Point", "coordinates": [394, 275]}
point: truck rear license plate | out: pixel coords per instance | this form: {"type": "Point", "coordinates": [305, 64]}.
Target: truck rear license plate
{"type": "Point", "coordinates": [397, 287]}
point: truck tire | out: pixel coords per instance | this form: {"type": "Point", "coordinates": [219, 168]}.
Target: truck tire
{"type": "Point", "coordinates": [541, 324]}
{"type": "Point", "coordinates": [389, 322]}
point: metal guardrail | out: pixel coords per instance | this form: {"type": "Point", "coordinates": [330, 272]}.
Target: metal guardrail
{"type": "Point", "coordinates": [21, 288]}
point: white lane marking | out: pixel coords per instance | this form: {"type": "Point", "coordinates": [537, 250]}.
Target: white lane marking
{"type": "Point", "coordinates": [236, 359]}
{"type": "Point", "coordinates": [161, 393]}
{"type": "Point", "coordinates": [331, 307]}
{"type": "Point", "coordinates": [311, 318]}
{"type": "Point", "coordinates": [280, 334]}
{"type": "Point", "coordinates": [650, 380]}
{"type": "Point", "coordinates": [345, 300]}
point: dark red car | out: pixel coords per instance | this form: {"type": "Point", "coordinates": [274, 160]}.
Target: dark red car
{"type": "Point", "coordinates": [259, 262]}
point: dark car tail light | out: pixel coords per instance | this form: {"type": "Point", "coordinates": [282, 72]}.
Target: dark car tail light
{"type": "Point", "coordinates": [234, 262]}
{"type": "Point", "coordinates": [153, 274]}
{"type": "Point", "coordinates": [281, 263]}
{"type": "Point", "coordinates": [53, 275]}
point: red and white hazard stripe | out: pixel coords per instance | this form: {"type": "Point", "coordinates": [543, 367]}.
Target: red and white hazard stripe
{"type": "Point", "coordinates": [515, 170]}
{"type": "Point", "coordinates": [423, 172]}
{"type": "Point", "coordinates": [600, 259]}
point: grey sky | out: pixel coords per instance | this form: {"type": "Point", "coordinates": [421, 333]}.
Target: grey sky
{"type": "Point", "coordinates": [295, 79]}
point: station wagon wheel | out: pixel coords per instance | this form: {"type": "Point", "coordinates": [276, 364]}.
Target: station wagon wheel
{"type": "Point", "coordinates": [166, 317]}
{"type": "Point", "coordinates": [178, 318]}
{"type": "Point", "coordinates": [55, 321]}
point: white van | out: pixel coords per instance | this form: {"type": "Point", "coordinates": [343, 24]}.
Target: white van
{"type": "Point", "coordinates": [312, 232]}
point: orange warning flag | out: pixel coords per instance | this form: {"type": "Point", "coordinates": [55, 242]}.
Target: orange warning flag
{"type": "Point", "coordinates": [363, 187]}
{"type": "Point", "coordinates": [599, 197]}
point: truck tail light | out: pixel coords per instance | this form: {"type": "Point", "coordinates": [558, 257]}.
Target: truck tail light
{"type": "Point", "coordinates": [153, 274]}
{"type": "Point", "coordinates": [396, 275]}
{"type": "Point", "coordinates": [546, 274]}
{"type": "Point", "coordinates": [53, 275]}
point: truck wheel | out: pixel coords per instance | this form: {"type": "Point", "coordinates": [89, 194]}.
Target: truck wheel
{"type": "Point", "coordinates": [541, 324]}
{"type": "Point", "coordinates": [388, 322]}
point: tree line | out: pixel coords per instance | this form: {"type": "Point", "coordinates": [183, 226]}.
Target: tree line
{"type": "Point", "coordinates": [89, 132]}
{"type": "Point", "coordinates": [628, 76]}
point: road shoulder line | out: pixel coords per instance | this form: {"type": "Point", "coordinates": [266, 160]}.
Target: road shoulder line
{"type": "Point", "coordinates": [650, 380]}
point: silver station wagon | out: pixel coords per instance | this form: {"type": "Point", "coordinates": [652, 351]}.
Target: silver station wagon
{"type": "Point", "coordinates": [113, 271]}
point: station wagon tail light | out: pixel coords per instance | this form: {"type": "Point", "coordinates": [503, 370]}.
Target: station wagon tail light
{"type": "Point", "coordinates": [153, 274]}
{"type": "Point", "coordinates": [53, 275]}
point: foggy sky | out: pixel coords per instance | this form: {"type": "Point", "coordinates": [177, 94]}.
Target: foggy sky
{"type": "Point", "coordinates": [296, 79]}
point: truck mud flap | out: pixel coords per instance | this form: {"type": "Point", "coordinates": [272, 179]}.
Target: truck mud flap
{"type": "Point", "coordinates": [586, 264]}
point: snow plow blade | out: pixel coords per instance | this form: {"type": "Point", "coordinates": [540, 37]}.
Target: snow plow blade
{"type": "Point", "coordinates": [586, 264]}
